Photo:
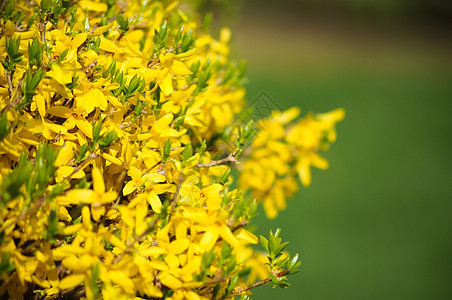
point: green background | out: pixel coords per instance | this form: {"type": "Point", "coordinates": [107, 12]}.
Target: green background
{"type": "Point", "coordinates": [377, 223]}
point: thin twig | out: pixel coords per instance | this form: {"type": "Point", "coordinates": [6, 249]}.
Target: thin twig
{"type": "Point", "coordinates": [154, 61]}
{"type": "Point", "coordinates": [82, 165]}
{"type": "Point", "coordinates": [25, 213]}
{"type": "Point", "coordinates": [10, 83]}
{"type": "Point", "coordinates": [123, 9]}
{"type": "Point", "coordinates": [217, 280]}
{"type": "Point", "coordinates": [240, 290]}
{"type": "Point", "coordinates": [229, 159]}
{"type": "Point", "coordinates": [179, 184]}
{"type": "Point", "coordinates": [17, 99]}
{"type": "Point", "coordinates": [89, 70]}
{"type": "Point", "coordinates": [140, 237]}
{"type": "Point", "coordinates": [157, 149]}
{"type": "Point", "coordinates": [137, 238]}
{"type": "Point", "coordinates": [42, 30]}
{"type": "Point", "coordinates": [126, 125]}
{"type": "Point", "coordinates": [242, 223]}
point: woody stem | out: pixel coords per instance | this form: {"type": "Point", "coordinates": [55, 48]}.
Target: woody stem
{"type": "Point", "coordinates": [259, 283]}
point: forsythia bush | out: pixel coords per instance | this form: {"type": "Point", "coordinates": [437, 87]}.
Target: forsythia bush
{"type": "Point", "coordinates": [118, 134]}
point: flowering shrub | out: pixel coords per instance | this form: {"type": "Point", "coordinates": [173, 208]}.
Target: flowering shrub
{"type": "Point", "coordinates": [117, 141]}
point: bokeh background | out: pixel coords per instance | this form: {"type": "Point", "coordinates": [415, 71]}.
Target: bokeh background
{"type": "Point", "coordinates": [377, 224]}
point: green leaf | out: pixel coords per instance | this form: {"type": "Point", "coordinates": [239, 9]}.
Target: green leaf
{"type": "Point", "coordinates": [264, 243]}
{"type": "Point", "coordinates": [164, 30]}
{"type": "Point", "coordinates": [248, 131]}
{"type": "Point", "coordinates": [207, 259]}
{"type": "Point", "coordinates": [231, 285]}
{"type": "Point", "coordinates": [11, 184]}
{"type": "Point", "coordinates": [35, 52]}
{"type": "Point", "coordinates": [81, 155]}
{"type": "Point", "coordinates": [138, 109]}
{"type": "Point", "coordinates": [120, 20]}
{"type": "Point", "coordinates": [203, 147]}
{"type": "Point", "coordinates": [45, 5]}
{"type": "Point", "coordinates": [245, 272]}
{"type": "Point", "coordinates": [36, 79]}
{"type": "Point", "coordinates": [111, 70]}
{"type": "Point", "coordinates": [96, 132]}
{"type": "Point", "coordinates": [225, 177]}
{"type": "Point", "coordinates": [252, 208]}
{"type": "Point", "coordinates": [231, 265]}
{"type": "Point", "coordinates": [63, 55]}
{"type": "Point", "coordinates": [187, 152]}
{"type": "Point", "coordinates": [29, 85]}
{"type": "Point", "coordinates": [281, 247]}
{"type": "Point", "coordinates": [187, 41]}
{"type": "Point", "coordinates": [195, 67]}
{"type": "Point", "coordinates": [4, 127]}
{"type": "Point", "coordinates": [273, 278]}
{"type": "Point", "coordinates": [107, 140]}
{"type": "Point", "coordinates": [93, 282]}
{"type": "Point", "coordinates": [294, 260]}
{"type": "Point", "coordinates": [74, 83]}
{"type": "Point", "coordinates": [85, 23]}
{"type": "Point", "coordinates": [57, 190]}
{"type": "Point", "coordinates": [52, 226]}
{"type": "Point", "coordinates": [178, 35]}
{"type": "Point", "coordinates": [166, 150]}
{"type": "Point", "coordinates": [134, 84]}
{"type": "Point", "coordinates": [226, 251]}
{"type": "Point", "coordinates": [5, 265]}
{"type": "Point", "coordinates": [283, 284]}
{"type": "Point", "coordinates": [10, 7]}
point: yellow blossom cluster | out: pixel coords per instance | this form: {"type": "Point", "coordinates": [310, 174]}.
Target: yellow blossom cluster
{"type": "Point", "coordinates": [114, 183]}
{"type": "Point", "coordinates": [283, 148]}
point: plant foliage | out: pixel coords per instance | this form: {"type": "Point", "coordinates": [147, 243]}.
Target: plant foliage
{"type": "Point", "coordinates": [118, 134]}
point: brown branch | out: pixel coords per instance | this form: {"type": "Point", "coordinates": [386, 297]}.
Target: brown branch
{"type": "Point", "coordinates": [25, 213]}
{"type": "Point", "coordinates": [138, 238]}
{"type": "Point", "coordinates": [82, 165]}
{"type": "Point", "coordinates": [229, 159]}
{"type": "Point", "coordinates": [17, 99]}
{"type": "Point", "coordinates": [42, 30]}
{"type": "Point", "coordinates": [242, 223]}
{"type": "Point", "coordinates": [10, 83]}
{"type": "Point", "coordinates": [240, 290]}
{"type": "Point", "coordinates": [154, 61]}
{"type": "Point", "coordinates": [95, 26]}
{"type": "Point", "coordinates": [89, 70]}
{"type": "Point", "coordinates": [123, 9]}
{"type": "Point", "coordinates": [126, 125]}
{"type": "Point", "coordinates": [217, 280]}
{"type": "Point", "coordinates": [157, 149]}
{"type": "Point", "coordinates": [179, 184]}
{"type": "Point", "coordinates": [121, 35]}
{"type": "Point", "coordinates": [21, 28]}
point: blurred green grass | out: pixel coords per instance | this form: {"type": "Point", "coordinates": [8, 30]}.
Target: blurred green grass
{"type": "Point", "coordinates": [376, 224]}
